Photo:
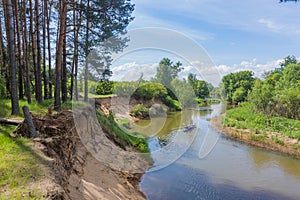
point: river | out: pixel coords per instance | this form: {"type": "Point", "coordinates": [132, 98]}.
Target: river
{"type": "Point", "coordinates": [202, 164]}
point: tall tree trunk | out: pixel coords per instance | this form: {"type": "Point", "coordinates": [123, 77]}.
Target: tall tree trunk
{"type": "Point", "coordinates": [12, 57]}
{"type": "Point", "coordinates": [33, 46]}
{"type": "Point", "coordinates": [49, 48]}
{"type": "Point", "coordinates": [20, 73]}
{"type": "Point", "coordinates": [7, 69]}
{"type": "Point", "coordinates": [59, 48]}
{"type": "Point", "coordinates": [86, 70]}
{"type": "Point", "coordinates": [45, 13]}
{"type": "Point", "coordinates": [26, 54]}
{"type": "Point", "coordinates": [3, 58]}
{"type": "Point", "coordinates": [39, 94]}
{"type": "Point", "coordinates": [64, 73]}
{"type": "Point", "coordinates": [74, 81]}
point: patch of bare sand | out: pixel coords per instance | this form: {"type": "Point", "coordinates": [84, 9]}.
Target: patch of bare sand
{"type": "Point", "coordinates": [86, 164]}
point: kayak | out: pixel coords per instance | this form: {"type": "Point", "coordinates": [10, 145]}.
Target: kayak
{"type": "Point", "coordinates": [188, 128]}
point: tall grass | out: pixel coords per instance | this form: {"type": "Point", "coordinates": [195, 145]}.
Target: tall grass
{"type": "Point", "coordinates": [244, 117]}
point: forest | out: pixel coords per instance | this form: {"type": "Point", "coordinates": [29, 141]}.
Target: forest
{"type": "Point", "coordinates": [44, 44]}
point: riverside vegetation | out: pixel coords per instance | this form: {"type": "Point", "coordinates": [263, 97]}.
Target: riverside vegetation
{"type": "Point", "coordinates": [268, 109]}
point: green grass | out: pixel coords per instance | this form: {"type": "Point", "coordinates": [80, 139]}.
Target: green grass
{"type": "Point", "coordinates": [113, 128]}
{"type": "Point", "coordinates": [260, 137]}
{"type": "Point", "coordinates": [18, 166]}
{"type": "Point", "coordinates": [34, 107]}
{"type": "Point", "coordinates": [244, 117]}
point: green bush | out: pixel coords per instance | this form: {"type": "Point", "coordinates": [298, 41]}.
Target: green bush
{"type": "Point", "coordinates": [174, 105]}
{"type": "Point", "coordinates": [150, 90]}
{"type": "Point", "coordinates": [140, 111]}
{"type": "Point", "coordinates": [105, 87]}
{"type": "Point", "coordinates": [110, 125]}
{"type": "Point", "coordinates": [124, 122]}
{"type": "Point", "coordinates": [92, 87]}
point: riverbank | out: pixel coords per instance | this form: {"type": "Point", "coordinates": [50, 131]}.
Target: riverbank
{"type": "Point", "coordinates": [273, 141]}
{"type": "Point", "coordinates": [85, 163]}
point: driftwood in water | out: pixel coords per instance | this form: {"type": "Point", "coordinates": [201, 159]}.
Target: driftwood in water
{"type": "Point", "coordinates": [10, 121]}
{"type": "Point", "coordinates": [29, 122]}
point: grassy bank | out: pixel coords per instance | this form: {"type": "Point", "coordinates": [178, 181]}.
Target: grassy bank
{"type": "Point", "coordinates": [19, 167]}
{"type": "Point", "coordinates": [276, 134]}
{"type": "Point", "coordinates": [243, 117]}
{"type": "Point", "coordinates": [124, 138]}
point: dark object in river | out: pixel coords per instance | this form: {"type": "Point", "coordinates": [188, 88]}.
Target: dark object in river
{"type": "Point", "coordinates": [189, 127]}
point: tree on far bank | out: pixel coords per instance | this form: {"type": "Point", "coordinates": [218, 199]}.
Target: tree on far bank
{"type": "Point", "coordinates": [237, 85]}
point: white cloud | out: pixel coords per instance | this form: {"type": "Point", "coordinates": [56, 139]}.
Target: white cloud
{"type": "Point", "coordinates": [133, 71]}
{"type": "Point", "coordinates": [270, 24]}
{"type": "Point", "coordinates": [257, 68]}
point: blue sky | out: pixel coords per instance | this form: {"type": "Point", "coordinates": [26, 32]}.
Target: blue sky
{"type": "Point", "coordinates": [236, 34]}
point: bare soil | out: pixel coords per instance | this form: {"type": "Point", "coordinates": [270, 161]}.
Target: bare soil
{"type": "Point", "coordinates": [84, 163]}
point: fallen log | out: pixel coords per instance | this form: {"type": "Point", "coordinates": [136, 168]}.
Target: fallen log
{"type": "Point", "coordinates": [14, 122]}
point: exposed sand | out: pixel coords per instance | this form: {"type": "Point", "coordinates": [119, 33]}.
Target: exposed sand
{"type": "Point", "coordinates": [86, 164]}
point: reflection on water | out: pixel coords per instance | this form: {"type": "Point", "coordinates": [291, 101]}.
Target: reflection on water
{"type": "Point", "coordinates": [231, 170]}
{"type": "Point", "coordinates": [161, 126]}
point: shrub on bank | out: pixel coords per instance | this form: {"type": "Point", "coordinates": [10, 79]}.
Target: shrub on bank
{"type": "Point", "coordinates": [140, 111]}
{"type": "Point", "coordinates": [124, 137]}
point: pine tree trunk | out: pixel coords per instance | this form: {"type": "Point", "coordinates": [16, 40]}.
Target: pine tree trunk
{"type": "Point", "coordinates": [44, 50]}
{"type": "Point", "coordinates": [86, 70]}
{"type": "Point", "coordinates": [2, 52]}
{"type": "Point", "coordinates": [20, 66]}
{"type": "Point", "coordinates": [49, 49]}
{"type": "Point", "coordinates": [26, 55]}
{"type": "Point", "coordinates": [33, 46]}
{"type": "Point", "coordinates": [77, 25]}
{"type": "Point", "coordinates": [12, 57]}
{"type": "Point", "coordinates": [59, 49]}
{"type": "Point", "coordinates": [64, 73]}
{"type": "Point", "coordinates": [7, 69]}
{"type": "Point", "coordinates": [39, 94]}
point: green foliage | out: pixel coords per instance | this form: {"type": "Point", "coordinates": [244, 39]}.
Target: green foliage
{"type": "Point", "coordinates": [277, 140]}
{"type": "Point", "coordinates": [174, 105]}
{"type": "Point", "coordinates": [166, 72]}
{"type": "Point", "coordinates": [239, 95]}
{"type": "Point", "coordinates": [105, 87]}
{"type": "Point", "coordinates": [184, 92]}
{"type": "Point", "coordinates": [125, 138]}
{"type": "Point", "coordinates": [200, 87]}
{"type": "Point", "coordinates": [260, 137]}
{"type": "Point", "coordinates": [124, 122]}
{"type": "Point", "coordinates": [279, 94]}
{"type": "Point", "coordinates": [237, 85]}
{"type": "Point", "coordinates": [3, 91]}
{"type": "Point", "coordinates": [244, 116]}
{"type": "Point", "coordinates": [140, 111]}
{"type": "Point", "coordinates": [92, 87]}
{"type": "Point", "coordinates": [150, 90]}
{"type": "Point", "coordinates": [125, 89]}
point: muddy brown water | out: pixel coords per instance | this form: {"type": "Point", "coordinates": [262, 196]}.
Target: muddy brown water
{"type": "Point", "coordinates": [202, 164]}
